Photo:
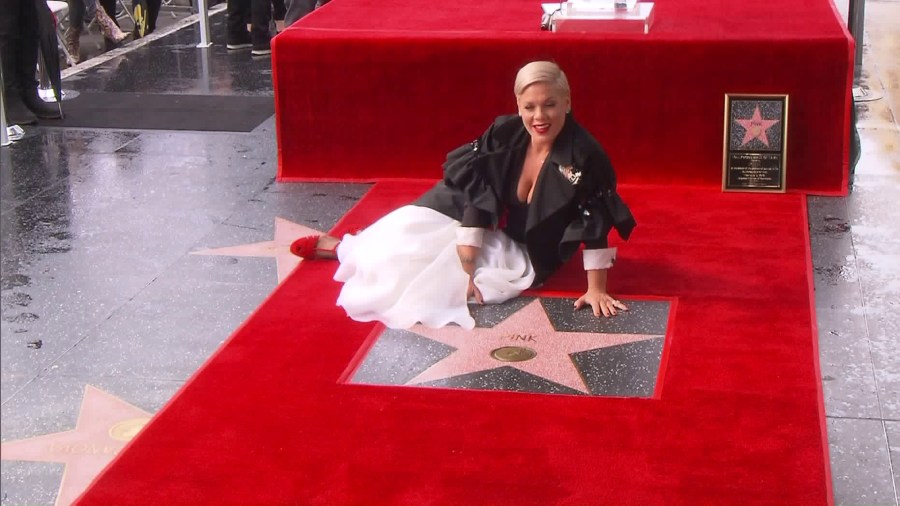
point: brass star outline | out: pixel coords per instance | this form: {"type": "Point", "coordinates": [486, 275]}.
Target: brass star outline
{"type": "Point", "coordinates": [105, 424]}
{"type": "Point", "coordinates": [755, 127]}
{"type": "Point", "coordinates": [286, 232]}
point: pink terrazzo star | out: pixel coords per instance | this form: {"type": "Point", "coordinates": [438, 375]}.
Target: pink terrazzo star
{"type": "Point", "coordinates": [105, 424]}
{"type": "Point", "coordinates": [286, 232]}
{"type": "Point", "coordinates": [529, 328]}
{"type": "Point", "coordinates": [755, 127]}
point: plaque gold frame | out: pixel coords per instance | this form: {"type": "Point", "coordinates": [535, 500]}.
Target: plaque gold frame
{"type": "Point", "coordinates": [763, 161]}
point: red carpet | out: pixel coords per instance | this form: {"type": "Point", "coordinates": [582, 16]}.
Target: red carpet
{"type": "Point", "coordinates": [385, 88]}
{"type": "Point", "coordinates": [738, 419]}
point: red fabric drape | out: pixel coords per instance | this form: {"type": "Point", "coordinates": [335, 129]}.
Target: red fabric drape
{"type": "Point", "coordinates": [384, 88]}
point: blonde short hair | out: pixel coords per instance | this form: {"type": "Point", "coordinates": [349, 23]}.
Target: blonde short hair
{"type": "Point", "coordinates": [541, 72]}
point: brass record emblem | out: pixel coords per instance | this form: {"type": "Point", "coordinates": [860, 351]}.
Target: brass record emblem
{"type": "Point", "coordinates": [125, 431]}
{"type": "Point", "coordinates": [513, 354]}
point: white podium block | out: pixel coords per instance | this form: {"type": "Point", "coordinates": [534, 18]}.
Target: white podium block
{"type": "Point", "coordinates": [583, 17]}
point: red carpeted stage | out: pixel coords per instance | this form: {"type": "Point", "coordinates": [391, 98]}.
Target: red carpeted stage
{"type": "Point", "coordinates": [738, 419]}
{"type": "Point", "coordinates": [384, 88]}
{"type": "Point", "coordinates": [372, 89]}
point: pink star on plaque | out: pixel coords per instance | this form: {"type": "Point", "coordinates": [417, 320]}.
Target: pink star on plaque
{"type": "Point", "coordinates": [526, 341]}
{"type": "Point", "coordinates": [755, 127]}
{"type": "Point", "coordinates": [105, 424]}
{"type": "Point", "coordinates": [286, 232]}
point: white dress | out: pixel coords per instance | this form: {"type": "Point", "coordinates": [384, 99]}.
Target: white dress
{"type": "Point", "coordinates": [404, 269]}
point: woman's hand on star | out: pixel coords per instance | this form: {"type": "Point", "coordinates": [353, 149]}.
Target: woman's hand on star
{"type": "Point", "coordinates": [601, 302]}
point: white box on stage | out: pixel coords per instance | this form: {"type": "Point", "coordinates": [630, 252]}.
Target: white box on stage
{"type": "Point", "coordinates": [601, 16]}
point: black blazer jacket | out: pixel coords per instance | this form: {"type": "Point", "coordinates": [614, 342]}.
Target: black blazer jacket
{"type": "Point", "coordinates": [574, 200]}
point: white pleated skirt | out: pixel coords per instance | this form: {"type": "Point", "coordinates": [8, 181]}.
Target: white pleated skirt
{"type": "Point", "coordinates": [404, 269]}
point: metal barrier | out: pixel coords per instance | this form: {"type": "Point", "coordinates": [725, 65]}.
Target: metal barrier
{"type": "Point", "coordinates": [204, 24]}
{"type": "Point", "coordinates": [4, 133]}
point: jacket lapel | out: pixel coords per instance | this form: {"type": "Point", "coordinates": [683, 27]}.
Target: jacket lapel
{"type": "Point", "coordinates": [553, 191]}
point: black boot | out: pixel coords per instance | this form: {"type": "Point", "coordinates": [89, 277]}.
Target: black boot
{"type": "Point", "coordinates": [260, 17]}
{"type": "Point", "coordinates": [28, 58]}
{"type": "Point", "coordinates": [41, 109]}
{"type": "Point", "coordinates": [16, 111]}
{"type": "Point", "coordinates": [236, 20]}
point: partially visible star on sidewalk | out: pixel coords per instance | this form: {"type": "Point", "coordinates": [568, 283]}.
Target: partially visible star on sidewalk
{"type": "Point", "coordinates": [755, 127]}
{"type": "Point", "coordinates": [286, 232]}
{"type": "Point", "coordinates": [105, 424]}
{"type": "Point", "coordinates": [526, 333]}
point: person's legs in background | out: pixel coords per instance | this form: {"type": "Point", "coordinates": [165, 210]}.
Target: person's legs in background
{"type": "Point", "coordinates": [16, 111]}
{"type": "Point", "coordinates": [109, 6]}
{"type": "Point", "coordinates": [106, 20]}
{"type": "Point", "coordinates": [76, 26]}
{"type": "Point", "coordinates": [257, 17]}
{"type": "Point", "coordinates": [109, 27]}
{"type": "Point", "coordinates": [77, 11]}
{"type": "Point", "coordinates": [238, 11]}
{"type": "Point", "coordinates": [153, 7]}
{"type": "Point", "coordinates": [260, 17]}
{"type": "Point", "coordinates": [19, 48]}
{"type": "Point", "coordinates": [30, 52]}
{"type": "Point", "coordinates": [296, 9]}
{"type": "Point", "coordinates": [278, 12]}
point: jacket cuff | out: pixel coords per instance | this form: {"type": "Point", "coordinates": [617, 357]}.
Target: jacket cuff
{"type": "Point", "coordinates": [475, 217]}
{"type": "Point", "coordinates": [596, 259]}
{"type": "Point", "coordinates": [469, 236]}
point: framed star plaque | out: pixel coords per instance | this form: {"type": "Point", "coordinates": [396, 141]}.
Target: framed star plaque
{"type": "Point", "coordinates": [755, 143]}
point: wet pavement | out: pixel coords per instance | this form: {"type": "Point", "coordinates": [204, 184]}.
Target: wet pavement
{"type": "Point", "coordinates": [129, 256]}
{"type": "Point", "coordinates": [856, 257]}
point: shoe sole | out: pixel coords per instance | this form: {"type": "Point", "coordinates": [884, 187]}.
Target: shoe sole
{"type": "Point", "coordinates": [45, 110]}
{"type": "Point", "coordinates": [261, 52]}
{"type": "Point", "coordinates": [233, 47]}
{"type": "Point", "coordinates": [25, 121]}
{"type": "Point", "coordinates": [55, 115]}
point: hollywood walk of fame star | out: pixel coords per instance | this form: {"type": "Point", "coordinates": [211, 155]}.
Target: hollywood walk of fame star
{"type": "Point", "coordinates": [755, 127]}
{"type": "Point", "coordinates": [286, 232]}
{"type": "Point", "coordinates": [105, 424]}
{"type": "Point", "coordinates": [529, 328]}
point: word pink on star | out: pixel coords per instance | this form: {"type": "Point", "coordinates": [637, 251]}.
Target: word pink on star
{"type": "Point", "coordinates": [755, 127]}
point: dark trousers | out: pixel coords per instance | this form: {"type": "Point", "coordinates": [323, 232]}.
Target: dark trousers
{"type": "Point", "coordinates": [18, 44]}
{"type": "Point", "coordinates": [153, 7]}
{"type": "Point", "coordinates": [18, 19]}
{"type": "Point", "coordinates": [278, 10]}
{"type": "Point", "coordinates": [259, 12]}
{"type": "Point", "coordinates": [296, 9]}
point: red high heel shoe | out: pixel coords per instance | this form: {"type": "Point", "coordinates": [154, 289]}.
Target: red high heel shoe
{"type": "Point", "coordinates": [305, 247]}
